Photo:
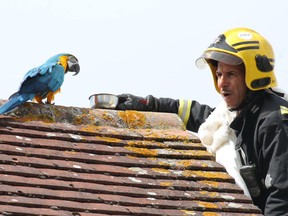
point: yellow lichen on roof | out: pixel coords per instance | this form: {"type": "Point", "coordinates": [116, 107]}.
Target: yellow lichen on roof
{"type": "Point", "coordinates": [133, 157]}
{"type": "Point", "coordinates": [78, 120]}
{"type": "Point", "coordinates": [206, 174]}
{"type": "Point", "coordinates": [70, 152]}
{"type": "Point", "coordinates": [210, 183]}
{"type": "Point", "coordinates": [193, 152]}
{"type": "Point", "coordinates": [207, 205]}
{"type": "Point", "coordinates": [145, 143]}
{"type": "Point", "coordinates": [160, 170]}
{"type": "Point", "coordinates": [90, 128]}
{"type": "Point", "coordinates": [108, 139]}
{"type": "Point", "coordinates": [134, 119]}
{"type": "Point", "coordinates": [122, 115]}
{"type": "Point", "coordinates": [99, 129]}
{"type": "Point", "coordinates": [164, 163]}
{"type": "Point", "coordinates": [211, 214]}
{"type": "Point", "coordinates": [167, 135]}
{"type": "Point", "coordinates": [189, 163]}
{"type": "Point", "coordinates": [107, 116]}
{"type": "Point", "coordinates": [204, 165]}
{"type": "Point", "coordinates": [143, 151]}
{"type": "Point", "coordinates": [166, 184]}
{"type": "Point", "coordinates": [189, 212]}
{"type": "Point", "coordinates": [184, 163]}
{"type": "Point", "coordinates": [152, 158]}
{"type": "Point", "coordinates": [211, 194]}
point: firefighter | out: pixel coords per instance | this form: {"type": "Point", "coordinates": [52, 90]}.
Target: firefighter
{"type": "Point", "coordinates": [242, 66]}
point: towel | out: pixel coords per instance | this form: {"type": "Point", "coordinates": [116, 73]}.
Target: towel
{"type": "Point", "coordinates": [219, 139]}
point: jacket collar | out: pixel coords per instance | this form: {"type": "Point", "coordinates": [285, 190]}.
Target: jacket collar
{"type": "Point", "coordinates": [249, 111]}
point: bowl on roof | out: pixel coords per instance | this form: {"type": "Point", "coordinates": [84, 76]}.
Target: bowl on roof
{"type": "Point", "coordinates": [103, 101]}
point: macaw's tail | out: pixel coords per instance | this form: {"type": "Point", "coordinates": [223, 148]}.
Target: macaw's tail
{"type": "Point", "coordinates": [14, 101]}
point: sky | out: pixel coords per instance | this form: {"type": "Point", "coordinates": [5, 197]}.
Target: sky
{"type": "Point", "coordinates": [141, 47]}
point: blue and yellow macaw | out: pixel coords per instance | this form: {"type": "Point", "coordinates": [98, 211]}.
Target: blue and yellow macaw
{"type": "Point", "coordinates": [43, 81]}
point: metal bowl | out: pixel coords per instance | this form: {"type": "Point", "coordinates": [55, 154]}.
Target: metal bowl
{"type": "Point", "coordinates": [103, 101]}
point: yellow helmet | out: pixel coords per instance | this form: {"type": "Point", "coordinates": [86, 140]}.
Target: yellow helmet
{"type": "Point", "coordinates": [243, 45]}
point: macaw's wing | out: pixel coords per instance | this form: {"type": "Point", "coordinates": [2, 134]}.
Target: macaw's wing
{"type": "Point", "coordinates": [40, 82]}
{"type": "Point", "coordinates": [46, 67]}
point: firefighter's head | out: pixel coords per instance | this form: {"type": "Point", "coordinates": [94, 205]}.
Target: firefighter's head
{"type": "Point", "coordinates": [244, 49]}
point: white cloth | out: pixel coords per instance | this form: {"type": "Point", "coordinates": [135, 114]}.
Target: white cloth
{"type": "Point", "coordinates": [219, 139]}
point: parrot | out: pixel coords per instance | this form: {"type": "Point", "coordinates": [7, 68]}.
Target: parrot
{"type": "Point", "coordinates": [43, 82]}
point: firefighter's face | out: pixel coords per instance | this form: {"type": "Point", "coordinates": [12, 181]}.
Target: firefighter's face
{"type": "Point", "coordinates": [231, 83]}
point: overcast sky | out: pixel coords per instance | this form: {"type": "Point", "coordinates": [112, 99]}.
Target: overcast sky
{"type": "Point", "coordinates": [131, 46]}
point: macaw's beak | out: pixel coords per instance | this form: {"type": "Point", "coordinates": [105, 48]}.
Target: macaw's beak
{"type": "Point", "coordinates": [74, 68]}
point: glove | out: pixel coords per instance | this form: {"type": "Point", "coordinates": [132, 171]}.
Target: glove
{"type": "Point", "coordinates": [132, 102]}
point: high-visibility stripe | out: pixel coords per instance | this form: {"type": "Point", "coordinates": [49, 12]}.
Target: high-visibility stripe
{"type": "Point", "coordinates": [184, 110]}
{"type": "Point", "coordinates": [284, 110]}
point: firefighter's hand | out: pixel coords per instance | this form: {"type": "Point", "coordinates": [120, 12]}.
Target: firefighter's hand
{"type": "Point", "coordinates": [132, 102]}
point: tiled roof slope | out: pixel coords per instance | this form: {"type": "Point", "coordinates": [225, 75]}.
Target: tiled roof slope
{"type": "Point", "coordinates": [76, 161]}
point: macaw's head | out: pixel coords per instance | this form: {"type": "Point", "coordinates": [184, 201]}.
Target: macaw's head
{"type": "Point", "coordinates": [72, 65]}
{"type": "Point", "coordinates": [68, 61]}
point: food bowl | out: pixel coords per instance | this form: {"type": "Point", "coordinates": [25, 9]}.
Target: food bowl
{"type": "Point", "coordinates": [103, 101]}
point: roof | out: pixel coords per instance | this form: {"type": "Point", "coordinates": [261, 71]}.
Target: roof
{"type": "Point", "coordinates": [58, 160]}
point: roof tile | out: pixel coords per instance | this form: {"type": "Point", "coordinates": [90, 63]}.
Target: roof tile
{"type": "Point", "coordinates": [77, 161]}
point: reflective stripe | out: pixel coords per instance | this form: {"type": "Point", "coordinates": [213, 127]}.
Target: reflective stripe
{"type": "Point", "coordinates": [284, 110]}
{"type": "Point", "coordinates": [184, 110]}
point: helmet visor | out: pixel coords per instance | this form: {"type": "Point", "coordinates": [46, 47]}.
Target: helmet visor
{"type": "Point", "coordinates": [217, 56]}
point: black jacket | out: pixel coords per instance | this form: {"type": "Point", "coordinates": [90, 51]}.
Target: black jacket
{"type": "Point", "coordinates": [262, 134]}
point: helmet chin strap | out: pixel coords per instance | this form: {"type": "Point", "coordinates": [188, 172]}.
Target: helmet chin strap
{"type": "Point", "coordinates": [238, 108]}
{"type": "Point", "coordinates": [278, 91]}
{"type": "Point", "coordinates": [249, 96]}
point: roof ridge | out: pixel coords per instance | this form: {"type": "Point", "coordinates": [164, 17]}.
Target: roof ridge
{"type": "Point", "coordinates": [49, 113]}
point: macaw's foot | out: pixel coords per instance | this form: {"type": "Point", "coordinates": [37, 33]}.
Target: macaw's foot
{"type": "Point", "coordinates": [38, 100]}
{"type": "Point", "coordinates": [49, 102]}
